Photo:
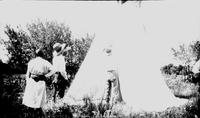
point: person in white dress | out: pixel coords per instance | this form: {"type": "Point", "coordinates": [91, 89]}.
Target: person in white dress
{"type": "Point", "coordinates": [114, 94]}
{"type": "Point", "coordinates": [35, 91]}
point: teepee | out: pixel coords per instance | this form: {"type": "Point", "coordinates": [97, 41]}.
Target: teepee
{"type": "Point", "coordinates": [91, 79]}
{"type": "Point", "coordinates": [141, 47]}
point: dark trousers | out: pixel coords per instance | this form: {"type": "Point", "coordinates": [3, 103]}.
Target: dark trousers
{"type": "Point", "coordinates": [29, 112]}
{"type": "Point", "coordinates": [60, 86]}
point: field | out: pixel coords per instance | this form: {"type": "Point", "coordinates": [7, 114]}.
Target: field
{"type": "Point", "coordinates": [12, 88]}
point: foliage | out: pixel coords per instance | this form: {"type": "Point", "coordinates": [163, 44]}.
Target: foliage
{"type": "Point", "coordinates": [178, 70]}
{"type": "Point", "coordinates": [11, 92]}
{"type": "Point", "coordinates": [189, 76]}
{"type": "Point", "coordinates": [11, 105]}
{"type": "Point", "coordinates": [22, 44]}
{"type": "Point", "coordinates": [6, 68]}
{"type": "Point", "coordinates": [63, 111]}
{"type": "Point", "coordinates": [75, 56]}
{"type": "Point", "coordinates": [183, 54]}
{"type": "Point", "coordinates": [187, 54]}
{"type": "Point", "coordinates": [180, 79]}
{"type": "Point", "coordinates": [19, 49]}
{"type": "Point", "coordinates": [45, 34]}
{"type": "Point", "coordinates": [195, 46]}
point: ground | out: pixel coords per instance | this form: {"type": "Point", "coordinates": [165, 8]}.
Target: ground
{"type": "Point", "coordinates": [12, 88]}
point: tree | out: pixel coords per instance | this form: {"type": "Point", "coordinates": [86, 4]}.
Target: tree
{"type": "Point", "coordinates": [187, 54]}
{"type": "Point", "coordinates": [45, 34]}
{"type": "Point", "coordinates": [22, 44]}
{"type": "Point", "coordinates": [19, 49]}
{"type": "Point", "coordinates": [195, 46]}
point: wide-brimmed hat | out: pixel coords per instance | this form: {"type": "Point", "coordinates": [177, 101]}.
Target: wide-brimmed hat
{"type": "Point", "coordinates": [58, 47]}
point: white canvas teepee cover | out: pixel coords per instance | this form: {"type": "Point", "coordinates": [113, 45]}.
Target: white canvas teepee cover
{"type": "Point", "coordinates": [142, 84]}
{"type": "Point", "coordinates": [91, 79]}
{"type": "Point", "coordinates": [141, 47]}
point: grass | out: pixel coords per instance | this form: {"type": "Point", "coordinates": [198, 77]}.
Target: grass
{"type": "Point", "coordinates": [12, 88]}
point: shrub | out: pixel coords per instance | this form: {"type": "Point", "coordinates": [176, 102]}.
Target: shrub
{"type": "Point", "coordinates": [19, 49]}
{"type": "Point", "coordinates": [177, 70]}
{"type": "Point", "coordinates": [13, 87]}
{"type": "Point", "coordinates": [22, 44]}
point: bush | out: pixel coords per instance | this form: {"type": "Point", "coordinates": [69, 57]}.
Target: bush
{"type": "Point", "coordinates": [46, 34]}
{"type": "Point", "coordinates": [12, 89]}
{"type": "Point", "coordinates": [11, 99]}
{"type": "Point", "coordinates": [177, 70]}
{"type": "Point", "coordinates": [19, 49]}
{"type": "Point", "coordinates": [6, 68]}
{"type": "Point", "coordinates": [187, 54]}
{"type": "Point", "coordinates": [22, 44]}
{"type": "Point", "coordinates": [11, 106]}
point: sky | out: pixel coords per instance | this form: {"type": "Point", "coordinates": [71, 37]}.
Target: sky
{"type": "Point", "coordinates": [142, 35]}
{"type": "Point", "coordinates": [168, 22]}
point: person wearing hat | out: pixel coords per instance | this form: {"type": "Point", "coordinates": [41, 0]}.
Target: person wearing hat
{"type": "Point", "coordinates": [59, 64]}
{"type": "Point", "coordinates": [38, 70]}
{"type": "Point", "coordinates": [114, 95]}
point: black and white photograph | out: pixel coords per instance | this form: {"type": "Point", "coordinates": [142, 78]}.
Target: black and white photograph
{"type": "Point", "coordinates": [99, 59]}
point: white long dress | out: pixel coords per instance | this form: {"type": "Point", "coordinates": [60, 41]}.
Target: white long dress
{"type": "Point", "coordinates": [35, 92]}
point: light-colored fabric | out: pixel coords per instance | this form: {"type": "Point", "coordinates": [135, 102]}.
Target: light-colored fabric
{"type": "Point", "coordinates": [91, 79]}
{"type": "Point", "coordinates": [35, 92]}
{"type": "Point", "coordinates": [116, 96]}
{"type": "Point", "coordinates": [59, 64]}
{"type": "Point", "coordinates": [196, 67]}
{"type": "Point", "coordinates": [141, 82]}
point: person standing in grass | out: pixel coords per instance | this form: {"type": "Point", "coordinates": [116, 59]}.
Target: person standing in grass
{"type": "Point", "coordinates": [114, 94]}
{"type": "Point", "coordinates": [35, 91]}
{"type": "Point", "coordinates": [60, 80]}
